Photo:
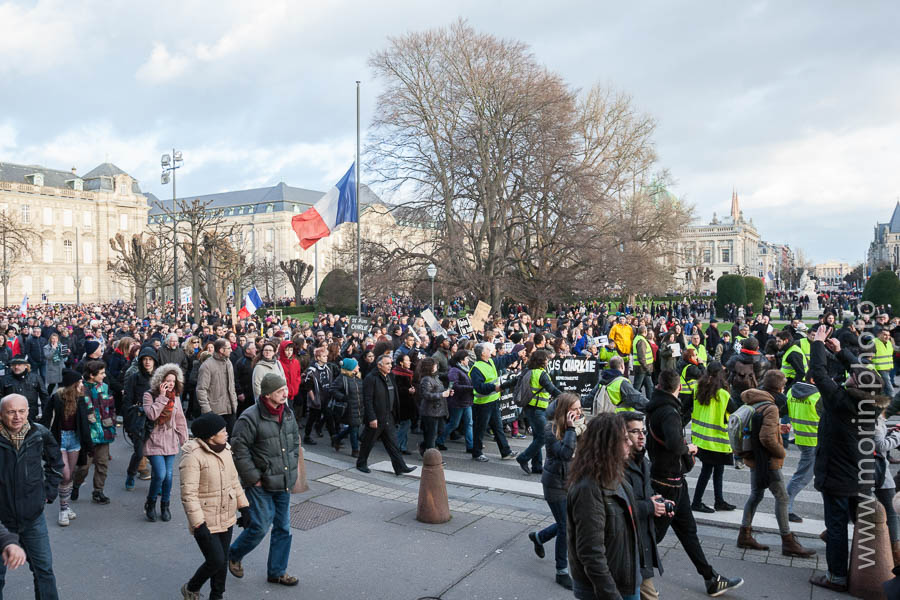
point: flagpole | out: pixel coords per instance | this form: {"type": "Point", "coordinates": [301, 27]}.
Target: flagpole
{"type": "Point", "coordinates": [358, 216]}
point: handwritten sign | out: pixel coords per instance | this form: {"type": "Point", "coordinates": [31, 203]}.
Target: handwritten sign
{"type": "Point", "coordinates": [432, 322]}
{"type": "Point", "coordinates": [359, 325]}
{"type": "Point", "coordinates": [464, 327]}
{"type": "Point", "coordinates": [482, 310]}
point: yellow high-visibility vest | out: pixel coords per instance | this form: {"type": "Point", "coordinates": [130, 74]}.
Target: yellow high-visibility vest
{"type": "Point", "coordinates": [541, 397]}
{"type": "Point", "coordinates": [490, 376]}
{"type": "Point", "coordinates": [804, 418]}
{"type": "Point", "coordinates": [708, 429]}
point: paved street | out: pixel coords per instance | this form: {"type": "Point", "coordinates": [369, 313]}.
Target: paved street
{"type": "Point", "coordinates": [373, 547]}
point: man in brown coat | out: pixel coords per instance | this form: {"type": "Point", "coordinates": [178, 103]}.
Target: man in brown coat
{"type": "Point", "coordinates": [765, 462]}
{"type": "Point", "coordinates": [215, 384]}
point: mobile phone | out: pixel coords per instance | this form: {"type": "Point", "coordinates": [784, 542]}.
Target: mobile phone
{"type": "Point", "coordinates": [451, 385]}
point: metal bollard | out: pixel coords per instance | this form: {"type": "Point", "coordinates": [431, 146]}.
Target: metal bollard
{"type": "Point", "coordinates": [434, 506]}
{"type": "Point", "coordinates": [871, 560]}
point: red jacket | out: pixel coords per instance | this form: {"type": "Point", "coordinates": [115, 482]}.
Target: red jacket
{"type": "Point", "coordinates": [292, 371]}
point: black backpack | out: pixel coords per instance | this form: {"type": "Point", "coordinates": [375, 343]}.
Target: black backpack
{"type": "Point", "coordinates": [523, 394]}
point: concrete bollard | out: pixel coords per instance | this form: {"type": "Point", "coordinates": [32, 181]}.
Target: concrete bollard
{"type": "Point", "coordinates": [871, 566]}
{"type": "Point", "coordinates": [434, 506]}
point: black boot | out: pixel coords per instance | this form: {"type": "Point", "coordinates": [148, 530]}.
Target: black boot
{"type": "Point", "coordinates": [164, 514]}
{"type": "Point", "coordinates": [150, 510]}
{"type": "Point", "coordinates": [309, 441]}
{"type": "Point", "coordinates": [75, 492]}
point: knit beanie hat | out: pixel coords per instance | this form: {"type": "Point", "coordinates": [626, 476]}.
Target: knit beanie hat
{"type": "Point", "coordinates": [70, 377]}
{"type": "Point", "coordinates": [270, 383]}
{"type": "Point", "coordinates": [349, 364]}
{"type": "Point", "coordinates": [207, 425]}
{"type": "Point", "coordinates": [90, 346]}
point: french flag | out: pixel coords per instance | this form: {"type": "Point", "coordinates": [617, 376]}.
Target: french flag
{"type": "Point", "coordinates": [335, 207]}
{"type": "Point", "coordinates": [23, 309]}
{"type": "Point", "coordinates": [251, 304]}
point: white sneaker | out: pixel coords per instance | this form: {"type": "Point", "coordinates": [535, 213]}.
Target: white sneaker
{"type": "Point", "coordinates": [63, 518]}
{"type": "Point", "coordinates": [71, 513]}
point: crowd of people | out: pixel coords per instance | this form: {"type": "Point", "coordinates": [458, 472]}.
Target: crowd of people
{"type": "Point", "coordinates": [76, 378]}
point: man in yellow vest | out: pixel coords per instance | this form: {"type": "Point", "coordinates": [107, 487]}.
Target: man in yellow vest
{"type": "Point", "coordinates": [485, 376]}
{"type": "Point", "coordinates": [883, 361]}
{"type": "Point", "coordinates": [542, 390]}
{"type": "Point", "coordinates": [621, 393]}
{"type": "Point", "coordinates": [804, 409]}
{"type": "Point", "coordinates": [790, 357]}
{"type": "Point", "coordinates": [642, 361]}
{"type": "Point", "coordinates": [702, 356]}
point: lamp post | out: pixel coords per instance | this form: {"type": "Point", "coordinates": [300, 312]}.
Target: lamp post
{"type": "Point", "coordinates": [169, 165]}
{"type": "Point", "coordinates": [432, 272]}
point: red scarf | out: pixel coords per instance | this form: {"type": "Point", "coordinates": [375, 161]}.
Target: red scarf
{"type": "Point", "coordinates": [166, 413]}
{"type": "Point", "coordinates": [275, 411]}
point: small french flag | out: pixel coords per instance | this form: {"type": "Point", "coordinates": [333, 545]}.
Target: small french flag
{"type": "Point", "coordinates": [335, 207]}
{"type": "Point", "coordinates": [23, 309]}
{"type": "Point", "coordinates": [251, 304]}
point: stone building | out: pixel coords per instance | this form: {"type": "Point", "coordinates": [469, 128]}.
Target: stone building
{"type": "Point", "coordinates": [726, 246]}
{"type": "Point", "coordinates": [884, 250]}
{"type": "Point", "coordinates": [75, 216]}
{"type": "Point", "coordinates": [831, 273]}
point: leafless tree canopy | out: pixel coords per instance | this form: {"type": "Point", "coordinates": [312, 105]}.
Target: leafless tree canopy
{"type": "Point", "coordinates": [269, 276]}
{"type": "Point", "coordinates": [18, 242]}
{"type": "Point", "coordinates": [133, 262]}
{"type": "Point", "coordinates": [527, 188]}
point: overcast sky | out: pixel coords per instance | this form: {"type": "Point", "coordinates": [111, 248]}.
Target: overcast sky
{"type": "Point", "coordinates": [794, 105]}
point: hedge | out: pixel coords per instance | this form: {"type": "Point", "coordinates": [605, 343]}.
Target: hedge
{"type": "Point", "coordinates": [755, 292]}
{"type": "Point", "coordinates": [337, 294]}
{"type": "Point", "coordinates": [883, 288]}
{"type": "Point", "coordinates": [730, 289]}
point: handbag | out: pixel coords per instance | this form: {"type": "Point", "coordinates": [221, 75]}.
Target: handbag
{"type": "Point", "coordinates": [336, 408]}
{"type": "Point", "coordinates": [687, 460]}
{"type": "Point", "coordinates": [301, 485]}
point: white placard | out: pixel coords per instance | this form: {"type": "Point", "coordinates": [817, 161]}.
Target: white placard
{"type": "Point", "coordinates": [676, 349]}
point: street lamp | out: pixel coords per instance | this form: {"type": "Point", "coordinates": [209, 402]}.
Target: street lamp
{"type": "Point", "coordinates": [169, 165]}
{"type": "Point", "coordinates": [432, 272]}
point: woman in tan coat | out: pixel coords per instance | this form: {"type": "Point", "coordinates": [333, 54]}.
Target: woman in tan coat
{"type": "Point", "coordinates": [211, 493]}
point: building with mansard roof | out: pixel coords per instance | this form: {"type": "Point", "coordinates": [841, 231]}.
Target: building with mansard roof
{"type": "Point", "coordinates": [884, 250]}
{"type": "Point", "coordinates": [75, 216]}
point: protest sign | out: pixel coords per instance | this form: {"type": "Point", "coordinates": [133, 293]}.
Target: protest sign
{"type": "Point", "coordinates": [432, 322]}
{"type": "Point", "coordinates": [480, 315]}
{"type": "Point", "coordinates": [575, 374]}
{"type": "Point", "coordinates": [676, 350]}
{"type": "Point", "coordinates": [359, 325]}
{"type": "Point", "coordinates": [464, 327]}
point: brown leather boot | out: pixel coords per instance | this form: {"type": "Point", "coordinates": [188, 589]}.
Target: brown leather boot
{"type": "Point", "coordinates": [895, 550]}
{"type": "Point", "coordinates": [745, 540]}
{"type": "Point", "coordinates": [791, 547]}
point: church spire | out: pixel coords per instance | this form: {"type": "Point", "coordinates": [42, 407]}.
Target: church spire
{"type": "Point", "coordinates": [735, 210]}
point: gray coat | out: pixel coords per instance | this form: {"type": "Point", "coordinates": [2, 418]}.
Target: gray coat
{"type": "Point", "coordinates": [215, 386]}
{"type": "Point", "coordinates": [266, 450]}
{"type": "Point", "coordinates": [429, 397]}
{"type": "Point", "coordinates": [54, 368]}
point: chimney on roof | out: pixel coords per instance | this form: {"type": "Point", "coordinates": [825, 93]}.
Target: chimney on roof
{"type": "Point", "coordinates": [735, 211]}
{"type": "Point", "coordinates": [74, 171]}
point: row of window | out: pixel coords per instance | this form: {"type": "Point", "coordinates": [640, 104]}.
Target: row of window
{"type": "Point", "coordinates": [86, 256]}
{"type": "Point", "coordinates": [707, 255]}
{"type": "Point", "coordinates": [87, 221]}
{"type": "Point", "coordinates": [87, 285]}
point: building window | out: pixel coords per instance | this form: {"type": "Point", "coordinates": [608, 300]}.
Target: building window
{"type": "Point", "coordinates": [270, 235]}
{"type": "Point", "coordinates": [67, 218]}
{"type": "Point", "coordinates": [26, 284]}
{"type": "Point", "coordinates": [26, 213]}
{"type": "Point", "coordinates": [270, 208]}
{"type": "Point", "coordinates": [88, 285]}
{"type": "Point", "coordinates": [123, 222]}
{"type": "Point", "coordinates": [68, 251]}
{"type": "Point", "coordinates": [68, 285]}
{"type": "Point", "coordinates": [48, 284]}
{"type": "Point", "coordinates": [48, 251]}
{"type": "Point", "coordinates": [48, 215]}
{"type": "Point", "coordinates": [726, 255]}
{"type": "Point", "coordinates": [88, 253]}
{"type": "Point", "coordinates": [707, 255]}
{"type": "Point", "coordinates": [86, 221]}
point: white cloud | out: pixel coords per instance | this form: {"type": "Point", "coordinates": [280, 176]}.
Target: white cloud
{"type": "Point", "coordinates": [38, 37]}
{"type": "Point", "coordinates": [162, 66]}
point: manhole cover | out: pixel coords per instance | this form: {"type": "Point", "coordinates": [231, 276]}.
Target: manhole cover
{"type": "Point", "coordinates": [309, 515]}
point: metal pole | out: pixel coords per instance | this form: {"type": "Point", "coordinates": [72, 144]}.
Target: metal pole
{"type": "Point", "coordinates": [316, 271]}
{"type": "Point", "coordinates": [77, 272]}
{"type": "Point", "coordinates": [432, 294]}
{"type": "Point", "coordinates": [358, 216]}
{"type": "Point", "coordinates": [174, 243]}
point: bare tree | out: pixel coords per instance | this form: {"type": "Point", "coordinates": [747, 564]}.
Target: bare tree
{"type": "Point", "coordinates": [18, 242]}
{"type": "Point", "coordinates": [198, 226]}
{"type": "Point", "coordinates": [132, 263]}
{"type": "Point", "coordinates": [298, 274]}
{"type": "Point", "coordinates": [267, 272]}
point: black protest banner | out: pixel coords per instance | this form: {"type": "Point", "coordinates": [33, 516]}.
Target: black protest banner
{"type": "Point", "coordinates": [359, 325]}
{"type": "Point", "coordinates": [576, 375]}
{"type": "Point", "coordinates": [464, 327]}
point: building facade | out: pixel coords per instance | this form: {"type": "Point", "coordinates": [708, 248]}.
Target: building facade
{"type": "Point", "coordinates": [726, 246]}
{"type": "Point", "coordinates": [776, 261]}
{"type": "Point", "coordinates": [74, 217]}
{"type": "Point", "coordinates": [884, 250]}
{"type": "Point", "coordinates": [831, 273]}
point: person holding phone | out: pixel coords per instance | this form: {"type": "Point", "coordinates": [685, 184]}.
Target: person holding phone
{"type": "Point", "coordinates": [162, 405]}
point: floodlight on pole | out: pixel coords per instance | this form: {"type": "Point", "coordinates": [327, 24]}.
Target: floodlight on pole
{"type": "Point", "coordinates": [431, 270]}
{"type": "Point", "coordinates": [165, 161]}
{"type": "Point", "coordinates": [169, 165]}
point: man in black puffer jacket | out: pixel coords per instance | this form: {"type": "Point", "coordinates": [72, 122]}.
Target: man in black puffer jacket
{"type": "Point", "coordinates": [20, 380]}
{"type": "Point", "coordinates": [137, 382]}
{"type": "Point", "coordinates": [668, 455]}
{"type": "Point", "coordinates": [243, 377]}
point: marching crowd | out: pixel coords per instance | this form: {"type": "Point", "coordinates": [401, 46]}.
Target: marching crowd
{"type": "Point", "coordinates": [232, 403]}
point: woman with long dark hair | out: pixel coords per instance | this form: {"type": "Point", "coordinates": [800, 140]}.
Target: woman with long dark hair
{"type": "Point", "coordinates": [560, 436]}
{"type": "Point", "coordinates": [602, 539]}
{"type": "Point", "coordinates": [431, 399]}
{"type": "Point", "coordinates": [709, 432]}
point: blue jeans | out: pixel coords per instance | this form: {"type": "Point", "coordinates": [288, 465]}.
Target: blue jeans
{"type": "Point", "coordinates": [557, 530]}
{"type": "Point", "coordinates": [537, 418]}
{"type": "Point", "coordinates": [34, 539]}
{"type": "Point", "coordinates": [403, 434]}
{"type": "Point", "coordinates": [160, 476]}
{"type": "Point", "coordinates": [458, 415]}
{"type": "Point", "coordinates": [267, 509]}
{"type": "Point", "coordinates": [803, 475]}
{"type": "Point", "coordinates": [351, 432]}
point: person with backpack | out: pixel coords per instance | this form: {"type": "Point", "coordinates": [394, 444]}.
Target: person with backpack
{"type": "Point", "coordinates": [615, 393]}
{"type": "Point", "coordinates": [765, 459]}
{"type": "Point", "coordinates": [536, 391]}
{"type": "Point", "coordinates": [670, 459]}
{"type": "Point", "coordinates": [709, 433]}
{"type": "Point", "coordinates": [137, 381]}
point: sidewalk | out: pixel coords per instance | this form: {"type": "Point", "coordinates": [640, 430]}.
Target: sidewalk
{"type": "Point", "coordinates": [355, 536]}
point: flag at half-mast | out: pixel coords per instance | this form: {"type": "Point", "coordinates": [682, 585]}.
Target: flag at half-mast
{"type": "Point", "coordinates": [337, 206]}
